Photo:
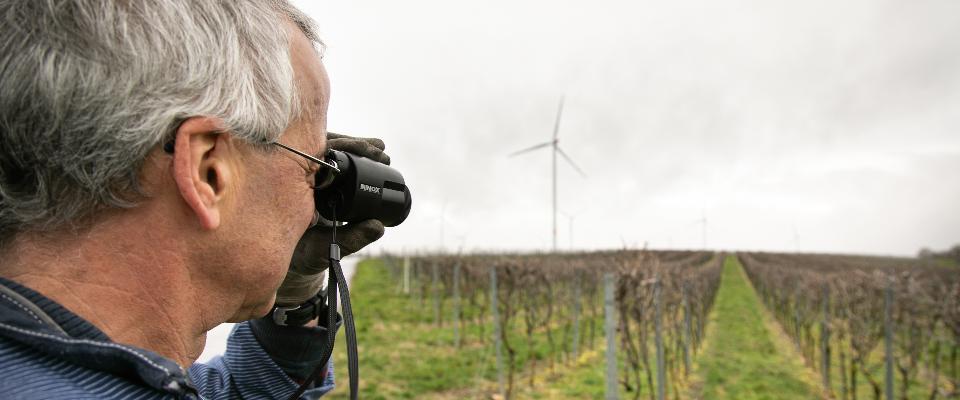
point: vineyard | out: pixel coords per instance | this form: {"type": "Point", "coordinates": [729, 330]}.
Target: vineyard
{"type": "Point", "coordinates": [858, 319]}
{"type": "Point", "coordinates": [633, 324]}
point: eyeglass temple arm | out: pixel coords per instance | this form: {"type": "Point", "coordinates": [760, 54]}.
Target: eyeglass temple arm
{"type": "Point", "coordinates": [309, 157]}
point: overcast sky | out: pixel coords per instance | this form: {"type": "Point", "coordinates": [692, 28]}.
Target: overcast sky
{"type": "Point", "coordinates": [805, 125]}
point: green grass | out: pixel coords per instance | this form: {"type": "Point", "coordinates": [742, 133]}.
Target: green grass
{"type": "Point", "coordinates": [742, 360]}
{"type": "Point", "coordinates": [404, 355]}
{"type": "Point", "coordinates": [400, 356]}
{"type": "Point", "coordinates": [583, 380]}
{"type": "Point", "coordinates": [587, 379]}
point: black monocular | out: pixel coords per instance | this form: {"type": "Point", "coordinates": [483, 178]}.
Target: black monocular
{"type": "Point", "coordinates": [364, 189]}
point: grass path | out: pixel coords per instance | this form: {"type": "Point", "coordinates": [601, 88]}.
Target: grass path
{"type": "Point", "coordinates": [742, 358]}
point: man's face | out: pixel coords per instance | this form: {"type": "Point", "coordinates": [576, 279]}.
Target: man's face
{"type": "Point", "coordinates": [276, 205]}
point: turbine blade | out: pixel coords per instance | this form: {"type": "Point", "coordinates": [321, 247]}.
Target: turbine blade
{"type": "Point", "coordinates": [529, 149]}
{"type": "Point", "coordinates": [556, 124]}
{"type": "Point", "coordinates": [574, 165]}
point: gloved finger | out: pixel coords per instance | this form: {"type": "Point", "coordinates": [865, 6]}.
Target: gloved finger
{"type": "Point", "coordinates": [361, 148]}
{"type": "Point", "coordinates": [370, 148]}
{"type": "Point", "coordinates": [376, 142]}
{"type": "Point", "coordinates": [356, 236]}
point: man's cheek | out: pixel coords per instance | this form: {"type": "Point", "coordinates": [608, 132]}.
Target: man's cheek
{"type": "Point", "coordinates": [310, 208]}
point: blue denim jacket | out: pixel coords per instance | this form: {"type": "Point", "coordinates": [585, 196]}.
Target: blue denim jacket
{"type": "Point", "coordinates": [48, 352]}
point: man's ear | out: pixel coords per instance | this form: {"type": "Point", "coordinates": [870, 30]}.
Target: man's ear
{"type": "Point", "coordinates": [201, 168]}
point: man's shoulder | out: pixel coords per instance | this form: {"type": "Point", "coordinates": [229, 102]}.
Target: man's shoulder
{"type": "Point", "coordinates": [28, 374]}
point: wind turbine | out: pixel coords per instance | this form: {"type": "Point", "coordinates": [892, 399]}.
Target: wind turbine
{"type": "Point", "coordinates": [443, 223]}
{"type": "Point", "coordinates": [796, 239]}
{"type": "Point", "coordinates": [570, 218]}
{"type": "Point", "coordinates": [555, 143]}
{"type": "Point", "coordinates": [703, 225]}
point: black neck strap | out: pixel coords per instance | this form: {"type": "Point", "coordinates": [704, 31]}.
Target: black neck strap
{"type": "Point", "coordinates": [336, 281]}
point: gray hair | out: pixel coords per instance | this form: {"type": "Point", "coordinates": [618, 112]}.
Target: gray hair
{"type": "Point", "coordinates": [89, 87]}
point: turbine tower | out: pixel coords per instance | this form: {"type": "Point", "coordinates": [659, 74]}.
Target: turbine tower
{"type": "Point", "coordinates": [443, 223]}
{"type": "Point", "coordinates": [703, 226]}
{"type": "Point", "coordinates": [555, 143]}
{"type": "Point", "coordinates": [570, 218]}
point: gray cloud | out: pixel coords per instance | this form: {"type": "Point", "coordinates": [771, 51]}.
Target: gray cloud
{"type": "Point", "coordinates": [837, 121]}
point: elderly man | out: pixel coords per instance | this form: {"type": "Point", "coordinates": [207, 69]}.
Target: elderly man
{"type": "Point", "coordinates": [150, 190]}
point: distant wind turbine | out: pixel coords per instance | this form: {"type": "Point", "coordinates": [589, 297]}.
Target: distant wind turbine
{"type": "Point", "coordinates": [703, 225]}
{"type": "Point", "coordinates": [555, 143]}
{"type": "Point", "coordinates": [570, 218]}
{"type": "Point", "coordinates": [796, 239]}
{"type": "Point", "coordinates": [443, 223]}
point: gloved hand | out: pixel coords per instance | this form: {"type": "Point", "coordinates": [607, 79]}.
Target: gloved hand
{"type": "Point", "coordinates": [305, 276]}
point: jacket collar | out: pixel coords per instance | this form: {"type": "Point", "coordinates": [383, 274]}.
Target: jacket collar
{"type": "Point", "coordinates": [37, 322]}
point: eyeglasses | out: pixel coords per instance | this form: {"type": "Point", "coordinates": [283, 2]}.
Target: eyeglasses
{"type": "Point", "coordinates": [330, 167]}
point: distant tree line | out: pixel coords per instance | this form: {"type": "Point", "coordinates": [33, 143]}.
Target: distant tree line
{"type": "Point", "coordinates": [951, 254]}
